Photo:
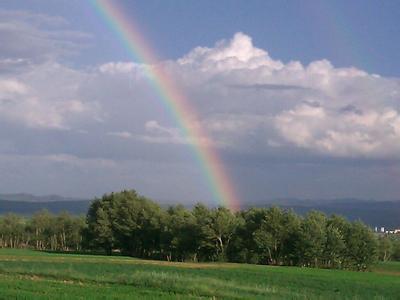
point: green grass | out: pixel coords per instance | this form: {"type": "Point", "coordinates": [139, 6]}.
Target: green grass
{"type": "Point", "coordinates": [28, 274]}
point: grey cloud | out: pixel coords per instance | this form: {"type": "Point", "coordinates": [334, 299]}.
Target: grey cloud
{"type": "Point", "coordinates": [351, 109]}
{"type": "Point", "coordinates": [106, 122]}
{"type": "Point", "coordinates": [312, 103]}
{"type": "Point", "coordinates": [33, 38]}
{"type": "Point", "coordinates": [269, 86]}
{"type": "Point", "coordinates": [32, 18]}
{"type": "Point", "coordinates": [115, 99]}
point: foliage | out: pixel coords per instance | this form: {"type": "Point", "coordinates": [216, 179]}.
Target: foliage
{"type": "Point", "coordinates": [43, 231]}
{"type": "Point", "coordinates": [131, 224]}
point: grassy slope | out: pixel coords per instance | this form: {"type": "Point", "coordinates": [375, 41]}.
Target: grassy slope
{"type": "Point", "coordinates": [34, 275]}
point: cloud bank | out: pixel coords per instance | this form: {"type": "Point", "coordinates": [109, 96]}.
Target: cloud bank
{"type": "Point", "coordinates": [253, 106]}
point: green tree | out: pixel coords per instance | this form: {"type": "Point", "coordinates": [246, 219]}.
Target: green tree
{"type": "Point", "coordinates": [12, 230]}
{"type": "Point", "coordinates": [137, 224]}
{"type": "Point", "coordinates": [99, 232]}
{"type": "Point", "coordinates": [270, 237]}
{"type": "Point", "coordinates": [361, 247]}
{"type": "Point", "coordinates": [292, 237]}
{"type": "Point", "coordinates": [205, 245]}
{"type": "Point", "coordinates": [311, 245]}
{"type": "Point", "coordinates": [221, 229]}
{"type": "Point", "coordinates": [334, 248]}
{"type": "Point", "coordinates": [243, 246]}
{"type": "Point", "coordinates": [39, 226]}
{"type": "Point", "coordinates": [385, 248]}
{"type": "Point", "coordinates": [180, 234]}
{"type": "Point", "coordinates": [396, 247]}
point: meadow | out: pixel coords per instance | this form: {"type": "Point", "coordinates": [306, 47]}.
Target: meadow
{"type": "Point", "coordinates": [26, 274]}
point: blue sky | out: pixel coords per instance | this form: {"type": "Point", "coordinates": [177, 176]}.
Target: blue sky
{"type": "Point", "coordinates": [300, 98]}
{"type": "Point", "coordinates": [364, 34]}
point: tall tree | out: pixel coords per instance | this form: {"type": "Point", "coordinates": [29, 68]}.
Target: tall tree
{"type": "Point", "coordinates": [181, 233]}
{"type": "Point", "coordinates": [361, 246]}
{"type": "Point", "coordinates": [385, 248]}
{"type": "Point", "coordinates": [39, 226]}
{"type": "Point", "coordinates": [311, 244]}
{"type": "Point", "coordinates": [271, 235]}
{"type": "Point", "coordinates": [99, 232]}
{"type": "Point", "coordinates": [243, 247]}
{"type": "Point", "coordinates": [221, 229]}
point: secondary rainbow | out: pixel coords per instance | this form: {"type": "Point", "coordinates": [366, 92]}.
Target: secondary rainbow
{"type": "Point", "coordinates": [173, 100]}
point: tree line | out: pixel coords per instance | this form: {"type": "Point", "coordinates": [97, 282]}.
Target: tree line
{"type": "Point", "coordinates": [42, 231]}
{"type": "Point", "coordinates": [131, 224]}
{"type": "Point", "coordinates": [388, 247]}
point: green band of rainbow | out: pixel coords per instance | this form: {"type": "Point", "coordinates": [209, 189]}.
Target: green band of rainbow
{"type": "Point", "coordinates": [174, 101]}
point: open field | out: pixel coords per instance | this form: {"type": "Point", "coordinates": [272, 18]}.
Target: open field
{"type": "Point", "coordinates": [28, 274]}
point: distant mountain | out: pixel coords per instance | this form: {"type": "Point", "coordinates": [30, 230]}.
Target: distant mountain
{"type": "Point", "coordinates": [27, 204]}
{"type": "Point", "coordinates": [76, 207]}
{"type": "Point", "coordinates": [373, 213]}
{"type": "Point", "coordinates": [32, 198]}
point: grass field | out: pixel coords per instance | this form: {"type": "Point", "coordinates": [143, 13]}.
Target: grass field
{"type": "Point", "coordinates": [28, 274]}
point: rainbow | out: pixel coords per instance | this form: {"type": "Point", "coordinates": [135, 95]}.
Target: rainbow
{"type": "Point", "coordinates": [174, 101]}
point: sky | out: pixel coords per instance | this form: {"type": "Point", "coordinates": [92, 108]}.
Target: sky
{"type": "Point", "coordinates": [300, 99]}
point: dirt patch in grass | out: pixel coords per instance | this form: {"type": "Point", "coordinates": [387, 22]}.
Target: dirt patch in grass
{"type": "Point", "coordinates": [386, 272]}
{"type": "Point", "coordinates": [133, 261]}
